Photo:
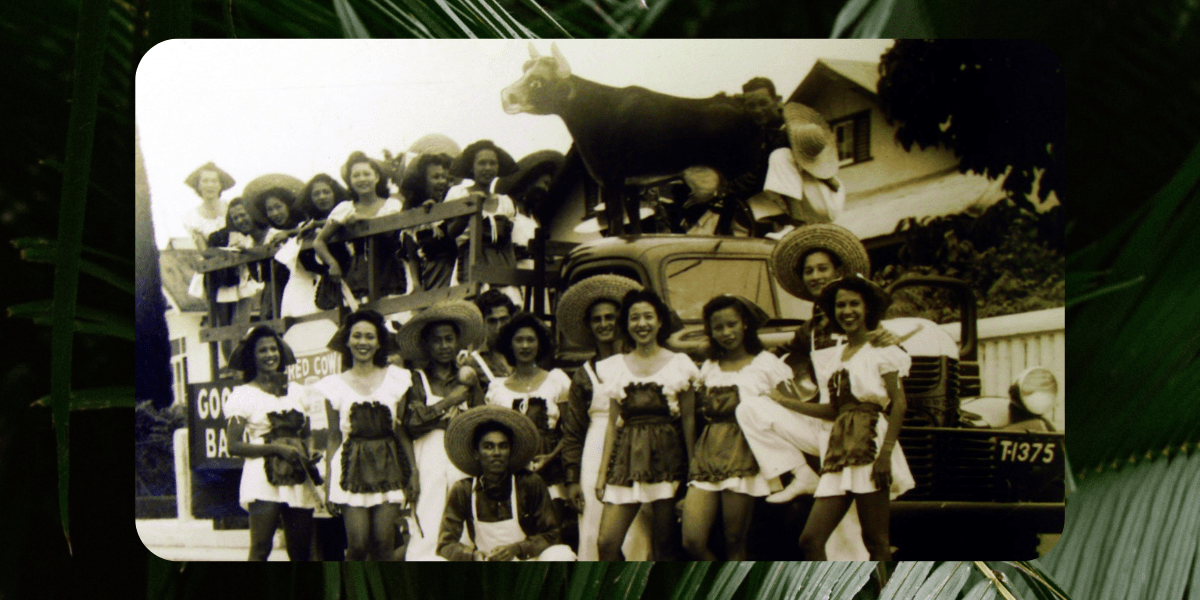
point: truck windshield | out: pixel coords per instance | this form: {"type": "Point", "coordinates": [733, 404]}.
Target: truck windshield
{"type": "Point", "coordinates": [691, 282]}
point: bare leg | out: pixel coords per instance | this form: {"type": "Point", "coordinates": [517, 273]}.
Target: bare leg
{"type": "Point", "coordinates": [297, 532]}
{"type": "Point", "coordinates": [737, 510]}
{"type": "Point", "coordinates": [662, 529]}
{"type": "Point", "coordinates": [699, 510]}
{"type": "Point", "coordinates": [614, 523]}
{"type": "Point", "coordinates": [264, 518]}
{"type": "Point", "coordinates": [358, 532]}
{"type": "Point", "coordinates": [874, 514]}
{"type": "Point", "coordinates": [824, 517]}
{"type": "Point", "coordinates": [383, 530]}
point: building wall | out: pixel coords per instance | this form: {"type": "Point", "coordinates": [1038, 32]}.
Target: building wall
{"type": "Point", "coordinates": [186, 326]}
{"type": "Point", "coordinates": [889, 163]}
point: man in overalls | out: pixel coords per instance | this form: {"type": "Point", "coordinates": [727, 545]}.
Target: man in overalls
{"type": "Point", "coordinates": [505, 509]}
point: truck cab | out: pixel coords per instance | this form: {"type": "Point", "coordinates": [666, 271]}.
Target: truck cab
{"type": "Point", "coordinates": [986, 485]}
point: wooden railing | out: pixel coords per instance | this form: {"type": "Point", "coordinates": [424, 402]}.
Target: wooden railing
{"type": "Point", "coordinates": [544, 275]}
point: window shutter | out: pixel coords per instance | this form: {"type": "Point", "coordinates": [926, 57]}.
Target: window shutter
{"type": "Point", "coordinates": [862, 136]}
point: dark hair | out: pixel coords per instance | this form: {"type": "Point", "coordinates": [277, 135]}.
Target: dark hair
{"type": "Point", "coordinates": [239, 201]}
{"type": "Point", "coordinates": [759, 83]}
{"type": "Point", "coordinates": [487, 427]}
{"type": "Point", "coordinates": [288, 199]}
{"type": "Point", "coordinates": [494, 298]}
{"type": "Point", "coordinates": [428, 327]}
{"type": "Point", "coordinates": [381, 186]}
{"type": "Point", "coordinates": [660, 309]}
{"type": "Point", "coordinates": [750, 338]}
{"type": "Point", "coordinates": [248, 364]}
{"type": "Point", "coordinates": [587, 314]}
{"type": "Point", "coordinates": [413, 187]}
{"type": "Point", "coordinates": [305, 204]}
{"type": "Point", "coordinates": [342, 341]}
{"type": "Point", "coordinates": [509, 331]}
{"type": "Point", "coordinates": [833, 258]}
{"type": "Point", "coordinates": [874, 304]}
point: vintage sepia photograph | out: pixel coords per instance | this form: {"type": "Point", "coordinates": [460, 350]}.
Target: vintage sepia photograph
{"type": "Point", "coordinates": [604, 300]}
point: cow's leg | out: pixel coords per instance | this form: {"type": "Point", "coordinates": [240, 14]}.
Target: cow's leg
{"type": "Point", "coordinates": [632, 202]}
{"type": "Point", "coordinates": [614, 208]}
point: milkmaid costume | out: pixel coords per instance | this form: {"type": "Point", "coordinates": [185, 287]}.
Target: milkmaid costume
{"type": "Point", "coordinates": [542, 407]}
{"type": "Point", "coordinates": [271, 419]}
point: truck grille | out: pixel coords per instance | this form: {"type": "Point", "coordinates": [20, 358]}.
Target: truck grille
{"type": "Point", "coordinates": [932, 388]}
{"type": "Point", "coordinates": [951, 465]}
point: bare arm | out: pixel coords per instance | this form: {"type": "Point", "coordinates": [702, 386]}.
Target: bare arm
{"type": "Point", "coordinates": [821, 411]}
{"type": "Point", "coordinates": [687, 413]}
{"type": "Point", "coordinates": [321, 246]}
{"type": "Point", "coordinates": [882, 471]}
{"type": "Point", "coordinates": [235, 430]}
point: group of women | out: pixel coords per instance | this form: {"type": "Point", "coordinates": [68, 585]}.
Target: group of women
{"type": "Point", "coordinates": [421, 258]}
{"type": "Point", "coordinates": [637, 428]}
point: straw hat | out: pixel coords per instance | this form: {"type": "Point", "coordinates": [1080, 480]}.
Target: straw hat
{"type": "Point", "coordinates": [279, 187]}
{"type": "Point", "coordinates": [460, 312]}
{"type": "Point", "coordinates": [464, 164]}
{"type": "Point", "coordinates": [785, 259]}
{"type": "Point", "coordinates": [814, 146]}
{"type": "Point", "coordinates": [572, 307]}
{"type": "Point", "coordinates": [193, 180]}
{"type": "Point", "coordinates": [435, 143]}
{"type": "Point", "coordinates": [461, 433]}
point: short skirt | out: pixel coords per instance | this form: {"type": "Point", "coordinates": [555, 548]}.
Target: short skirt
{"type": "Point", "coordinates": [254, 486]}
{"type": "Point", "coordinates": [373, 467]}
{"type": "Point", "coordinates": [648, 458]}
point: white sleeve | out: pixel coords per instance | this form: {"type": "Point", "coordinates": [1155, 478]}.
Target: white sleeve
{"type": "Point", "coordinates": [775, 370]}
{"type": "Point", "coordinates": [339, 213]}
{"type": "Point", "coordinates": [892, 359]}
{"type": "Point", "coordinates": [783, 176]}
{"type": "Point", "coordinates": [239, 403]}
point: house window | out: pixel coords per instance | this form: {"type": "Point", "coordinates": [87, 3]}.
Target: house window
{"type": "Point", "coordinates": [853, 135]}
{"type": "Point", "coordinates": [179, 369]}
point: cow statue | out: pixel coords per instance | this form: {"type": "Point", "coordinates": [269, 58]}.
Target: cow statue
{"type": "Point", "coordinates": [629, 136]}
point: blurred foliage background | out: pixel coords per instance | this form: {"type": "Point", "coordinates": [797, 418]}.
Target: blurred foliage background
{"type": "Point", "coordinates": [1132, 75]}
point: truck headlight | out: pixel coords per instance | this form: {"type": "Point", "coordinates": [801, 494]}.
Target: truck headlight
{"type": "Point", "coordinates": [1036, 390]}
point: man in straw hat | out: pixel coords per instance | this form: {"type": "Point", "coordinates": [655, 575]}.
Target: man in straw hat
{"type": "Point", "coordinates": [587, 316]}
{"type": "Point", "coordinates": [434, 337]}
{"type": "Point", "coordinates": [506, 510]}
{"type": "Point", "coordinates": [802, 184]}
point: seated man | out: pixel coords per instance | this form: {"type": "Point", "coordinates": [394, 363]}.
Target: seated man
{"type": "Point", "coordinates": [801, 184]}
{"type": "Point", "coordinates": [506, 510]}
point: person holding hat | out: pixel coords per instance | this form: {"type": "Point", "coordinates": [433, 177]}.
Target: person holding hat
{"type": "Point", "coordinates": [588, 316]}
{"type": "Point", "coordinates": [279, 476]}
{"type": "Point", "coordinates": [482, 163]}
{"type": "Point", "coordinates": [209, 181]}
{"type": "Point", "coordinates": [649, 440]}
{"type": "Point", "coordinates": [431, 247]}
{"type": "Point", "coordinates": [369, 193]}
{"type": "Point", "coordinates": [435, 337]}
{"type": "Point", "coordinates": [724, 474]}
{"type": "Point", "coordinates": [372, 468]}
{"type": "Point", "coordinates": [863, 396]}
{"type": "Point", "coordinates": [533, 391]}
{"type": "Point", "coordinates": [803, 177]}
{"type": "Point", "coordinates": [505, 509]}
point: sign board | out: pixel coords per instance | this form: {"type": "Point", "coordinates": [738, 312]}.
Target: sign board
{"type": "Point", "coordinates": [206, 409]}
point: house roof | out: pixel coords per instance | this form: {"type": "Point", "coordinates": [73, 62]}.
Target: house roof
{"type": "Point", "coordinates": [877, 212]}
{"type": "Point", "coordinates": [177, 268]}
{"type": "Point", "coordinates": [862, 74]}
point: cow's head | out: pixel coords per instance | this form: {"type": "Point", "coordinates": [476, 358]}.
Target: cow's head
{"type": "Point", "coordinates": [542, 88]}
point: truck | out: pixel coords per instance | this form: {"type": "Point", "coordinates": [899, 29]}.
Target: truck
{"type": "Point", "coordinates": [988, 484]}
{"type": "Point", "coordinates": [990, 472]}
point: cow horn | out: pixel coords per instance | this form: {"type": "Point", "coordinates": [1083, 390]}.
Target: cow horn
{"type": "Point", "coordinates": [533, 53]}
{"type": "Point", "coordinates": [564, 70]}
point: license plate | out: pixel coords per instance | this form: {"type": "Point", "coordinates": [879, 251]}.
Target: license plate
{"type": "Point", "coordinates": [1035, 451]}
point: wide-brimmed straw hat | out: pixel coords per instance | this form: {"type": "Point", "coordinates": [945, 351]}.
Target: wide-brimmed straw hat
{"type": "Point", "coordinates": [193, 180]}
{"type": "Point", "coordinates": [785, 259]}
{"type": "Point", "coordinates": [529, 168]}
{"type": "Point", "coordinates": [872, 293]}
{"type": "Point", "coordinates": [279, 186]}
{"type": "Point", "coordinates": [464, 164]}
{"type": "Point", "coordinates": [239, 356]}
{"type": "Point", "coordinates": [463, 314]}
{"type": "Point", "coordinates": [814, 146]}
{"type": "Point", "coordinates": [435, 143]}
{"type": "Point", "coordinates": [461, 434]}
{"type": "Point", "coordinates": [572, 310]}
